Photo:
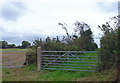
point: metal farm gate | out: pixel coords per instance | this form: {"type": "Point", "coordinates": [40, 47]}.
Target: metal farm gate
{"type": "Point", "coordinates": [11, 59]}
{"type": "Point", "coordinates": [70, 60]}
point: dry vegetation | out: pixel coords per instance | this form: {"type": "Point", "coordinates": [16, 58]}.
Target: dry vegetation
{"type": "Point", "coordinates": [13, 58]}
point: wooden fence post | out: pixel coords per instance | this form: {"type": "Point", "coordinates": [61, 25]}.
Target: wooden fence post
{"type": "Point", "coordinates": [39, 59]}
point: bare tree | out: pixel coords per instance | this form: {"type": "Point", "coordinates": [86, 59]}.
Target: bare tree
{"type": "Point", "coordinates": [63, 25]}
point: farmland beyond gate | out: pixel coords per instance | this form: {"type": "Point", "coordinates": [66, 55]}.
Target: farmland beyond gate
{"type": "Point", "coordinates": [70, 60]}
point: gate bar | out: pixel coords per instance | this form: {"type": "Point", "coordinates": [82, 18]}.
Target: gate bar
{"type": "Point", "coordinates": [72, 51]}
{"type": "Point", "coordinates": [70, 64]}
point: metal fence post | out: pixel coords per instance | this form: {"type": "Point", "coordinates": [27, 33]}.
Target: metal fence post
{"type": "Point", "coordinates": [39, 59]}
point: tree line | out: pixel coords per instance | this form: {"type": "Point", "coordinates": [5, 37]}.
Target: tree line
{"type": "Point", "coordinates": [5, 44]}
{"type": "Point", "coordinates": [80, 39]}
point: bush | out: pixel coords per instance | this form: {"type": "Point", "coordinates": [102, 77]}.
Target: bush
{"type": "Point", "coordinates": [31, 57]}
{"type": "Point", "coordinates": [109, 45]}
{"type": "Point", "coordinates": [108, 50]}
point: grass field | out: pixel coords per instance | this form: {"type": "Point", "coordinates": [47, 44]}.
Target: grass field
{"type": "Point", "coordinates": [14, 49]}
{"type": "Point", "coordinates": [30, 74]}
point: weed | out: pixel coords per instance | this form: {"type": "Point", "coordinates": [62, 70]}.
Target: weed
{"type": "Point", "coordinates": [82, 75]}
{"type": "Point", "coordinates": [7, 72]}
{"type": "Point", "coordinates": [31, 68]}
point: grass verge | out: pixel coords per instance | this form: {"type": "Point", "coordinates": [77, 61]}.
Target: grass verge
{"type": "Point", "coordinates": [30, 74]}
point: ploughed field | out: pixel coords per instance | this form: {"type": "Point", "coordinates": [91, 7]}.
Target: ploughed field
{"type": "Point", "coordinates": [12, 57]}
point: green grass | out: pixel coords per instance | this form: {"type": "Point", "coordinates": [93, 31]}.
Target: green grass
{"type": "Point", "coordinates": [27, 74]}
{"type": "Point", "coordinates": [14, 49]}
{"type": "Point", "coordinates": [77, 64]}
{"type": "Point", "coordinates": [31, 74]}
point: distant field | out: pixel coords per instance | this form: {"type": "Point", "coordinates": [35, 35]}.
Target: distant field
{"type": "Point", "coordinates": [14, 49]}
{"type": "Point", "coordinates": [13, 57]}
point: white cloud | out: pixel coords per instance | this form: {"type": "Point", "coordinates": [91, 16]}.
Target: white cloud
{"type": "Point", "coordinates": [12, 10]}
{"type": "Point", "coordinates": [41, 17]}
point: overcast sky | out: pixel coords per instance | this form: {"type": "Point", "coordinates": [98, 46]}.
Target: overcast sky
{"type": "Point", "coordinates": [28, 19]}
